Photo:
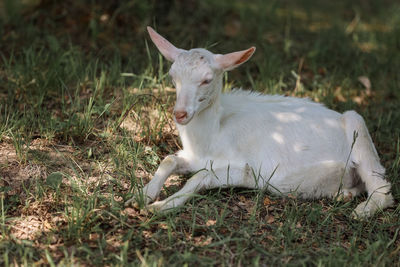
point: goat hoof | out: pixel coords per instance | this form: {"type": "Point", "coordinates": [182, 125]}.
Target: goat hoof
{"type": "Point", "coordinates": [344, 196]}
{"type": "Point", "coordinates": [130, 202]}
{"type": "Point", "coordinates": [160, 206]}
{"type": "Point", "coordinates": [135, 203]}
{"type": "Point", "coordinates": [374, 204]}
{"type": "Point", "coordinates": [360, 216]}
{"type": "Point", "coordinates": [156, 207]}
{"type": "Point", "coordinates": [363, 211]}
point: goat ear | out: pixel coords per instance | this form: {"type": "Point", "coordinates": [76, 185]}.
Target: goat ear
{"type": "Point", "coordinates": [232, 60]}
{"type": "Point", "coordinates": [168, 50]}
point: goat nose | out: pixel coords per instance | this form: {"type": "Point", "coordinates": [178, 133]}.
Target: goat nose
{"type": "Point", "coordinates": [180, 115]}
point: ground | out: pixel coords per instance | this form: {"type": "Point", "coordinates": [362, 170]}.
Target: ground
{"type": "Point", "coordinates": [85, 118]}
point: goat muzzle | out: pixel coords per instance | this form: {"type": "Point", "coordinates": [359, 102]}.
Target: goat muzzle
{"type": "Point", "coordinates": [180, 115]}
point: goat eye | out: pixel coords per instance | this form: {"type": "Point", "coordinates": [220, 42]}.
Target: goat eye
{"type": "Point", "coordinates": [201, 99]}
{"type": "Point", "coordinates": [206, 82]}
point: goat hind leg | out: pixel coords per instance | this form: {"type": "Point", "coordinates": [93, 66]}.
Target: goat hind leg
{"type": "Point", "coordinates": [368, 167]}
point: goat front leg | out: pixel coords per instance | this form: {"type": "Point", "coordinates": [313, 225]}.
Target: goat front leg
{"type": "Point", "coordinates": [207, 179]}
{"type": "Point", "coordinates": [172, 164]}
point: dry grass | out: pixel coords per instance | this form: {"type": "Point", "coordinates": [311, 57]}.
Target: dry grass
{"type": "Point", "coordinates": [85, 118]}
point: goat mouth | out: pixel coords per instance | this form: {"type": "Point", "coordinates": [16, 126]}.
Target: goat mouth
{"type": "Point", "coordinates": [183, 121]}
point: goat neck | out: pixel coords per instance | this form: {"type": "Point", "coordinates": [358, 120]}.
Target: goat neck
{"type": "Point", "coordinates": [197, 135]}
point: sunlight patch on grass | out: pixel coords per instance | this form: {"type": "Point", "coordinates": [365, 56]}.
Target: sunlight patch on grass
{"type": "Point", "coordinates": [86, 101]}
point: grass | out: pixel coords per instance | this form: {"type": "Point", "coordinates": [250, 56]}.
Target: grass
{"type": "Point", "coordinates": [85, 118]}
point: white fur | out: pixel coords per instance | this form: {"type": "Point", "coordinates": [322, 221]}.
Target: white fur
{"type": "Point", "coordinates": [289, 145]}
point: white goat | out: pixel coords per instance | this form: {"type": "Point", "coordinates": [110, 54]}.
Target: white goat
{"type": "Point", "coordinates": [243, 139]}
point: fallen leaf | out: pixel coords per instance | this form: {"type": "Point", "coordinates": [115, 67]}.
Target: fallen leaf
{"type": "Point", "coordinates": [202, 241]}
{"type": "Point", "coordinates": [338, 94]}
{"type": "Point", "coordinates": [358, 99]}
{"type": "Point", "coordinates": [147, 234]}
{"type": "Point", "coordinates": [163, 226]}
{"type": "Point", "coordinates": [130, 212]}
{"type": "Point", "coordinates": [364, 80]}
{"type": "Point", "coordinates": [321, 71]}
{"type": "Point", "coordinates": [211, 222]}
{"type": "Point", "coordinates": [270, 219]}
{"type": "Point", "coordinates": [94, 236]}
{"type": "Point", "coordinates": [232, 27]}
{"type": "Point", "coordinates": [270, 237]}
{"type": "Point", "coordinates": [268, 201]}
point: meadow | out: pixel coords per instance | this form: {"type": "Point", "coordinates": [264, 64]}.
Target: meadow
{"type": "Point", "coordinates": [85, 118]}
